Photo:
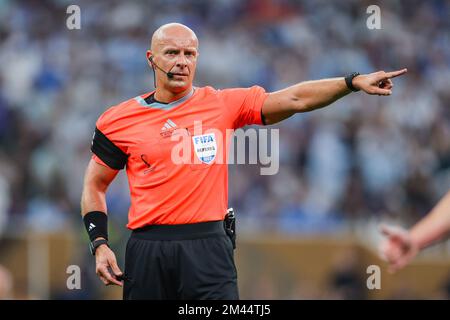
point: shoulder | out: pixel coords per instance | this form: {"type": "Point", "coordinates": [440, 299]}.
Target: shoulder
{"type": "Point", "coordinates": [118, 112]}
{"type": "Point", "coordinates": [206, 91]}
{"type": "Point", "coordinates": [241, 93]}
{"type": "Point", "coordinates": [220, 93]}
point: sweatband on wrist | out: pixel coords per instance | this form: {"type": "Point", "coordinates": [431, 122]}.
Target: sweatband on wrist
{"type": "Point", "coordinates": [96, 223]}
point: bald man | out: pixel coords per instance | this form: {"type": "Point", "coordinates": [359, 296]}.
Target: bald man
{"type": "Point", "coordinates": [182, 240]}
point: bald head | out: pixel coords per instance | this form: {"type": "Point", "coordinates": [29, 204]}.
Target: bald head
{"type": "Point", "coordinates": [173, 56]}
{"type": "Point", "coordinates": [173, 32]}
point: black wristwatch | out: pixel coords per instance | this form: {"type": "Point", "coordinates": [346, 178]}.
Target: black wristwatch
{"type": "Point", "coordinates": [95, 244]}
{"type": "Point", "coordinates": [349, 81]}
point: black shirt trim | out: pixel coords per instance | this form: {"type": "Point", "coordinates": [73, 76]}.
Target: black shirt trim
{"type": "Point", "coordinates": [151, 99]}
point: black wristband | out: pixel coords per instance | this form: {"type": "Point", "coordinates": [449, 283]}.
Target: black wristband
{"type": "Point", "coordinates": [349, 81]}
{"type": "Point", "coordinates": [95, 244]}
{"type": "Point", "coordinates": [96, 223]}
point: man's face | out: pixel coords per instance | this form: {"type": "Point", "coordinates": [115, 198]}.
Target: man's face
{"type": "Point", "coordinates": [178, 55]}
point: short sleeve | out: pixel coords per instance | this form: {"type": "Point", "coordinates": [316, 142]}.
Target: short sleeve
{"type": "Point", "coordinates": [105, 151]}
{"type": "Point", "coordinates": [245, 105]}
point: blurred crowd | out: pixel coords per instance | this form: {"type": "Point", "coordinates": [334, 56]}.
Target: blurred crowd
{"type": "Point", "coordinates": [365, 157]}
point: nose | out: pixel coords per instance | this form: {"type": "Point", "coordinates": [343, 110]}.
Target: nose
{"type": "Point", "coordinates": [181, 61]}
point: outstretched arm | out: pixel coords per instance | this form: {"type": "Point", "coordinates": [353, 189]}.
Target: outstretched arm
{"type": "Point", "coordinates": [310, 95]}
{"type": "Point", "coordinates": [401, 245]}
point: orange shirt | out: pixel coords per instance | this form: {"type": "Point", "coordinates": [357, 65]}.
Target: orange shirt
{"type": "Point", "coordinates": [176, 153]}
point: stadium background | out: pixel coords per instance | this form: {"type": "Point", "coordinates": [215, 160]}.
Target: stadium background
{"type": "Point", "coordinates": [308, 232]}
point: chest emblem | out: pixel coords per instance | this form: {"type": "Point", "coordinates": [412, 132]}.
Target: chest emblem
{"type": "Point", "coordinates": [205, 147]}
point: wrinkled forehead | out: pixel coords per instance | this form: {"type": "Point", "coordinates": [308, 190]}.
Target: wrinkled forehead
{"type": "Point", "coordinates": [175, 36]}
{"type": "Point", "coordinates": [175, 42]}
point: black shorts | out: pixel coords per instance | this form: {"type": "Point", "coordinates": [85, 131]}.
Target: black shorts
{"type": "Point", "coordinates": [191, 261]}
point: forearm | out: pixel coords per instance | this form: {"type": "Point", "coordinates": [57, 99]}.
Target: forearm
{"type": "Point", "coordinates": [435, 226]}
{"type": "Point", "coordinates": [93, 199]}
{"type": "Point", "coordinates": [316, 94]}
{"type": "Point", "coordinates": [303, 97]}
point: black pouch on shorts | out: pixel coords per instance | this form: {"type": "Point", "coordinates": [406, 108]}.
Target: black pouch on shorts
{"type": "Point", "coordinates": [230, 226]}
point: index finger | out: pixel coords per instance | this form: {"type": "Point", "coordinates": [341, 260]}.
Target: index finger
{"type": "Point", "coordinates": [385, 230]}
{"type": "Point", "coordinates": [397, 73]}
{"type": "Point", "coordinates": [389, 231]}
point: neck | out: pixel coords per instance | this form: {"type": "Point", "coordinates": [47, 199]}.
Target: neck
{"type": "Point", "coordinates": [165, 96]}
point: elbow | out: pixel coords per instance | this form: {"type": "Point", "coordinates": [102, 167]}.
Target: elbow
{"type": "Point", "coordinates": [92, 187]}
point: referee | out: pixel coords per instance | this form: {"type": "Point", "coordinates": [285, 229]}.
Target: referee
{"type": "Point", "coordinates": [179, 248]}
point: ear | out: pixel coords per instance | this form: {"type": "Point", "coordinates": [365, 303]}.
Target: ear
{"type": "Point", "coordinates": [150, 57]}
